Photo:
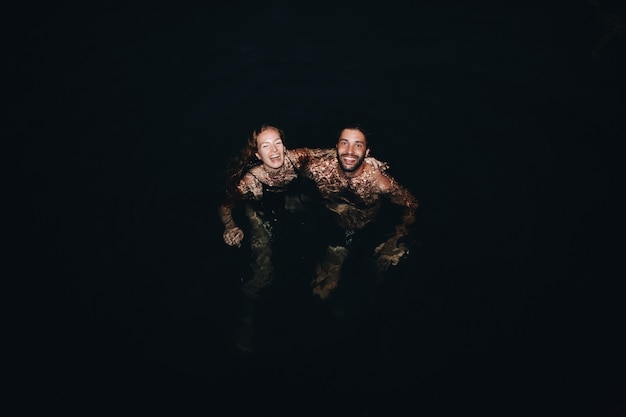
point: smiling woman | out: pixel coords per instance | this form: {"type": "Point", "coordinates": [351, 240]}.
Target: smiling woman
{"type": "Point", "coordinates": [277, 204]}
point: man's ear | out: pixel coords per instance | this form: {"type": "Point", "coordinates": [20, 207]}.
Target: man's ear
{"type": "Point", "coordinates": [367, 152]}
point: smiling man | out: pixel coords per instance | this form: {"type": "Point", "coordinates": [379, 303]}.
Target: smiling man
{"type": "Point", "coordinates": [354, 193]}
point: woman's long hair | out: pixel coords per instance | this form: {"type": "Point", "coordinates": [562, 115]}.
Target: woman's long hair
{"type": "Point", "coordinates": [242, 163]}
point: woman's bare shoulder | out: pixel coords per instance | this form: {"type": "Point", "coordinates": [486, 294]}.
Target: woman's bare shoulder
{"type": "Point", "coordinates": [254, 172]}
{"type": "Point", "coordinates": [249, 181]}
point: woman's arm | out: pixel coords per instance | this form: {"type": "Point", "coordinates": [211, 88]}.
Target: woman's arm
{"type": "Point", "coordinates": [233, 235]}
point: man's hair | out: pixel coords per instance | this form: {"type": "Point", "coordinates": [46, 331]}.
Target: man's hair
{"type": "Point", "coordinates": [360, 128]}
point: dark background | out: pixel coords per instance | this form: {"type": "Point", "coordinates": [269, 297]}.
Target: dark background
{"type": "Point", "coordinates": [504, 121]}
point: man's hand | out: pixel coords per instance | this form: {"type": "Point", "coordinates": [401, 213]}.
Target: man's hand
{"type": "Point", "coordinates": [233, 236]}
{"type": "Point", "coordinates": [389, 253]}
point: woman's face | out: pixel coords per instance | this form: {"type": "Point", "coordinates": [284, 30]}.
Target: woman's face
{"type": "Point", "coordinates": [270, 149]}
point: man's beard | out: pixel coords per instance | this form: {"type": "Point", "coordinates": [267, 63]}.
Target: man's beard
{"type": "Point", "coordinates": [356, 166]}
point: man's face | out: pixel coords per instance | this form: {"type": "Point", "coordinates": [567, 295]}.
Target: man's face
{"type": "Point", "coordinates": [351, 149]}
{"type": "Point", "coordinates": [270, 149]}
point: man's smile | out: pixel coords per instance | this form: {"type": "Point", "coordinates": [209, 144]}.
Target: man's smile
{"type": "Point", "coordinates": [349, 159]}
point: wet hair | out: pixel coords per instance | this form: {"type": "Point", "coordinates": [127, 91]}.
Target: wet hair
{"type": "Point", "coordinates": [360, 128]}
{"type": "Point", "coordinates": [242, 163]}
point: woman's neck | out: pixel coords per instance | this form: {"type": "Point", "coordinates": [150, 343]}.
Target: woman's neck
{"type": "Point", "coordinates": [273, 172]}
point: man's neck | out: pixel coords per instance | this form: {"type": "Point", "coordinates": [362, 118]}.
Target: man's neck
{"type": "Point", "coordinates": [352, 174]}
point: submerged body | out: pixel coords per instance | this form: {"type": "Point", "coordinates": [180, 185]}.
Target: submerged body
{"type": "Point", "coordinates": [354, 193]}
{"type": "Point", "coordinates": [277, 206]}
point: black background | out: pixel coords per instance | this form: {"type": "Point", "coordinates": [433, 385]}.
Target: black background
{"type": "Point", "coordinates": [504, 121]}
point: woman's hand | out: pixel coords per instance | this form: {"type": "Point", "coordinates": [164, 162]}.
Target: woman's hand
{"type": "Point", "coordinates": [233, 236]}
{"type": "Point", "coordinates": [376, 163]}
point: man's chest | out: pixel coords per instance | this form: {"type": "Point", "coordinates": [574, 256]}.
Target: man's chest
{"type": "Point", "coordinates": [357, 194]}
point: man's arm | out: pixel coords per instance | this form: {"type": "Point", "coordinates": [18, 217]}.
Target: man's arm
{"type": "Point", "coordinates": [400, 196]}
{"type": "Point", "coordinates": [391, 251]}
{"type": "Point", "coordinates": [301, 156]}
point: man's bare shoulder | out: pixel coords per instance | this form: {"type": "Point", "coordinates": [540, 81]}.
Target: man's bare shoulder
{"type": "Point", "coordinates": [379, 178]}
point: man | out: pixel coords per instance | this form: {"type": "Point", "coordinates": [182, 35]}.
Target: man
{"type": "Point", "coordinates": [354, 193]}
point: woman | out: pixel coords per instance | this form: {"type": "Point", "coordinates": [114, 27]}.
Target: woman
{"type": "Point", "coordinates": [278, 205]}
{"type": "Point", "coordinates": [266, 178]}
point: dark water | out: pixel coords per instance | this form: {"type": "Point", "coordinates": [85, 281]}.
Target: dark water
{"type": "Point", "coordinates": [505, 122]}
